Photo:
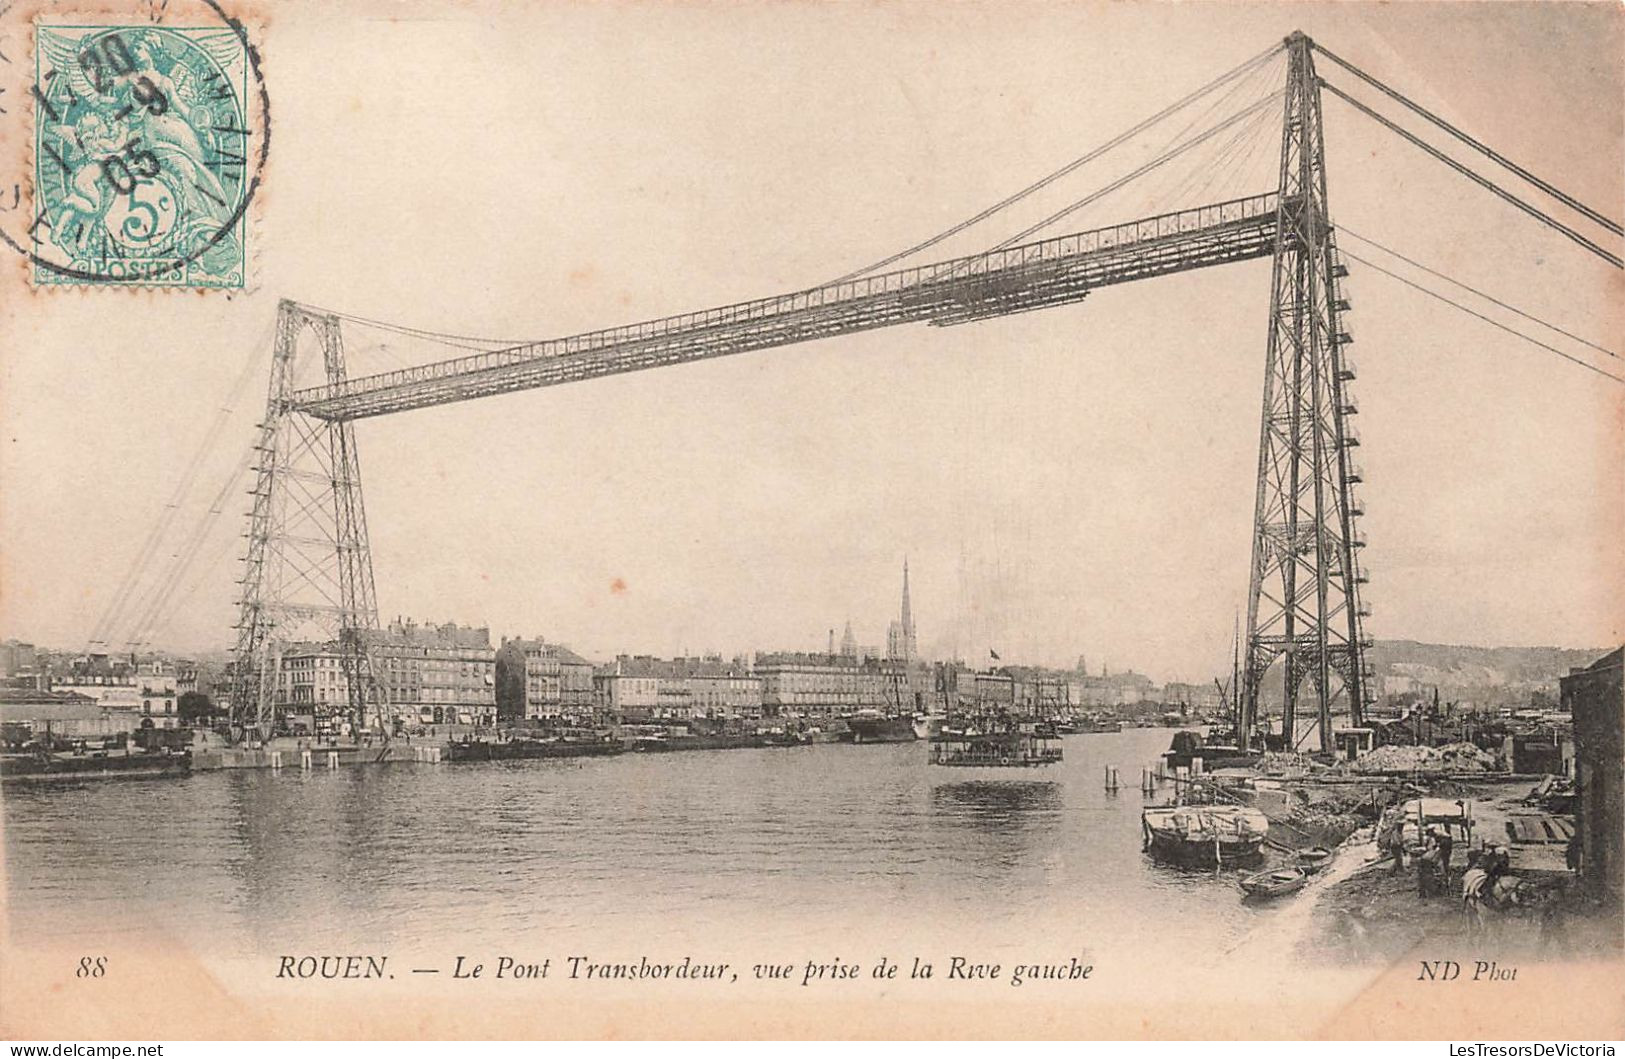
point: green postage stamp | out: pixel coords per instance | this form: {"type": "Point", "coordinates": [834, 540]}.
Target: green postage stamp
{"type": "Point", "coordinates": [145, 155]}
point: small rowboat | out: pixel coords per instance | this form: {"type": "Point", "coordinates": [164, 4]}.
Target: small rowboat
{"type": "Point", "coordinates": [1314, 858]}
{"type": "Point", "coordinates": [1278, 882]}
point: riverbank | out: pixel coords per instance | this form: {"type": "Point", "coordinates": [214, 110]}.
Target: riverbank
{"type": "Point", "coordinates": [1377, 913]}
{"type": "Point", "coordinates": [455, 746]}
{"type": "Point", "coordinates": [1364, 910]}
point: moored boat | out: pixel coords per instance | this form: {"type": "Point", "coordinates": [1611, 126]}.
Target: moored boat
{"type": "Point", "coordinates": [1314, 858]}
{"type": "Point", "coordinates": [872, 726]}
{"type": "Point", "coordinates": [927, 725]}
{"type": "Point", "coordinates": [1188, 747]}
{"type": "Point", "coordinates": [1277, 882]}
{"type": "Point", "coordinates": [46, 766]}
{"type": "Point", "coordinates": [527, 748]}
{"type": "Point", "coordinates": [1204, 834]}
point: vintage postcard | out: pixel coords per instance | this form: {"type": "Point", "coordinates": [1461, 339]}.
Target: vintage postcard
{"type": "Point", "coordinates": [760, 520]}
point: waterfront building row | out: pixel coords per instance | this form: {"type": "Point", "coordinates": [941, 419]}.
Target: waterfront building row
{"type": "Point", "coordinates": [639, 689]}
{"type": "Point", "coordinates": [429, 675]}
{"type": "Point", "coordinates": [821, 687]}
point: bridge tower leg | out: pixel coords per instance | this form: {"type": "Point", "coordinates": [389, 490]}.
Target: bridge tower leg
{"type": "Point", "coordinates": [1303, 605]}
{"type": "Point", "coordinates": [307, 572]}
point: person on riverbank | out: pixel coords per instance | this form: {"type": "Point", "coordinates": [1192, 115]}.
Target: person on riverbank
{"type": "Point", "coordinates": [1446, 846]}
{"type": "Point", "coordinates": [1427, 866]}
{"type": "Point", "coordinates": [1391, 839]}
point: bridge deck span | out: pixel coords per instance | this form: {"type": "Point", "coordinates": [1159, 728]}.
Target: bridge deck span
{"type": "Point", "coordinates": [1017, 279]}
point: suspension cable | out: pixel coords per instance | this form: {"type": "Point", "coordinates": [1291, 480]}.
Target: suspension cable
{"type": "Point", "coordinates": [1485, 149]}
{"type": "Point", "coordinates": [443, 337]}
{"type": "Point", "coordinates": [1072, 166]}
{"type": "Point", "coordinates": [1489, 320]}
{"type": "Point", "coordinates": [1345, 230]}
{"type": "Point", "coordinates": [1481, 181]}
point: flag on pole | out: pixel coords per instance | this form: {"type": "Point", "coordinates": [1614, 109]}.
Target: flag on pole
{"type": "Point", "coordinates": [994, 653]}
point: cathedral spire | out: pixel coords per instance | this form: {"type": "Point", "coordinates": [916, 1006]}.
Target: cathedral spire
{"type": "Point", "coordinates": [900, 642]}
{"type": "Point", "coordinates": [908, 614]}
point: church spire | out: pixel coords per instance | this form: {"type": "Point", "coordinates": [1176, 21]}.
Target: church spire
{"type": "Point", "coordinates": [908, 614]}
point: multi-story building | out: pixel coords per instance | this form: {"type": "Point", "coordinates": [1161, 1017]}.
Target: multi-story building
{"type": "Point", "coordinates": [556, 683]}
{"type": "Point", "coordinates": [144, 691]}
{"type": "Point", "coordinates": [186, 676]}
{"type": "Point", "coordinates": [644, 690]}
{"type": "Point", "coordinates": [1021, 688]}
{"type": "Point", "coordinates": [437, 674]}
{"type": "Point", "coordinates": [18, 659]}
{"type": "Point", "coordinates": [724, 691]}
{"type": "Point", "coordinates": [1115, 689]}
{"type": "Point", "coordinates": [1192, 696]}
{"type": "Point", "coordinates": [628, 689]}
{"type": "Point", "coordinates": [815, 686]}
{"type": "Point", "coordinates": [311, 690]}
{"type": "Point", "coordinates": [428, 674]}
{"type": "Point", "coordinates": [1595, 697]}
{"type": "Point", "coordinates": [158, 679]}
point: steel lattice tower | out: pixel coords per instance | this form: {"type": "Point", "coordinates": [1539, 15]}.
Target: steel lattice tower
{"type": "Point", "coordinates": [308, 569]}
{"type": "Point", "coordinates": [1303, 602]}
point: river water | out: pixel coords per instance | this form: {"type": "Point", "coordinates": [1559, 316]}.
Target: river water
{"type": "Point", "coordinates": [825, 848]}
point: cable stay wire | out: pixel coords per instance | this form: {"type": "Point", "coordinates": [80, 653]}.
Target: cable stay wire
{"type": "Point", "coordinates": [1162, 159]}
{"type": "Point", "coordinates": [1247, 67]}
{"type": "Point", "coordinates": [1202, 177]}
{"type": "Point", "coordinates": [1233, 157]}
{"type": "Point", "coordinates": [1217, 106]}
{"type": "Point", "coordinates": [1567, 200]}
{"type": "Point", "coordinates": [180, 564]}
{"type": "Point", "coordinates": [205, 572]}
{"type": "Point", "coordinates": [948, 269]}
{"type": "Point", "coordinates": [181, 559]}
{"type": "Point", "coordinates": [1480, 180]}
{"type": "Point", "coordinates": [1345, 230]}
{"type": "Point", "coordinates": [1487, 319]}
{"type": "Point", "coordinates": [1240, 163]}
{"type": "Point", "coordinates": [115, 611]}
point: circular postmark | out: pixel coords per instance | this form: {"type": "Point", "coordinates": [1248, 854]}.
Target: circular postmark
{"type": "Point", "coordinates": [137, 143]}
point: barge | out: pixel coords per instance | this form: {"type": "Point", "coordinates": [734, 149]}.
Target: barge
{"type": "Point", "coordinates": [96, 765]}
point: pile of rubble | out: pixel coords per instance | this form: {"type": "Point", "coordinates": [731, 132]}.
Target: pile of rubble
{"type": "Point", "coordinates": [1282, 763]}
{"type": "Point", "coordinates": [1457, 757]}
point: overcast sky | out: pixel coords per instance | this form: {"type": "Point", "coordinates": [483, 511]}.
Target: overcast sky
{"type": "Point", "coordinates": [1079, 480]}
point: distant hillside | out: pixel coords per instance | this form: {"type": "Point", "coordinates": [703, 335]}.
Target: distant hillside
{"type": "Point", "coordinates": [1480, 673]}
